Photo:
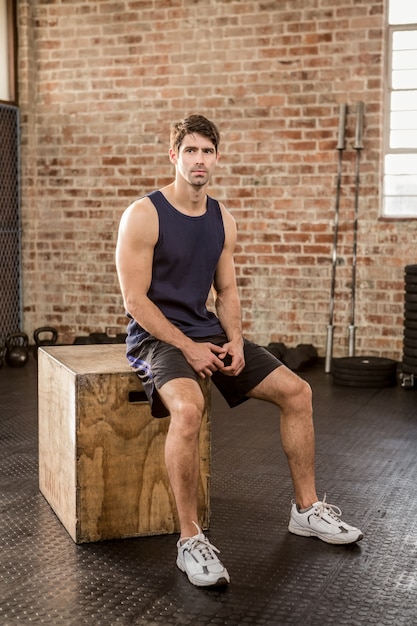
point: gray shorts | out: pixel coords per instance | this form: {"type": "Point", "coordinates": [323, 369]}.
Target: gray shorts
{"type": "Point", "coordinates": [156, 362]}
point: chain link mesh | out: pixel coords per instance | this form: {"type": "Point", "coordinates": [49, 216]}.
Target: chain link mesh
{"type": "Point", "coordinates": [10, 224]}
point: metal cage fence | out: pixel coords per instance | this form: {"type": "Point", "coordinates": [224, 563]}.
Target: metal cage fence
{"type": "Point", "coordinates": [10, 223]}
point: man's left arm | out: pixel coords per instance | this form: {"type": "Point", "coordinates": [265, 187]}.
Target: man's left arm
{"type": "Point", "coordinates": [227, 299]}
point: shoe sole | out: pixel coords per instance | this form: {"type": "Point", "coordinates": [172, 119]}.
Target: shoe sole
{"type": "Point", "coordinates": [331, 540]}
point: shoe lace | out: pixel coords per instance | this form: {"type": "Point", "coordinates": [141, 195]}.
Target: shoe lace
{"type": "Point", "coordinates": [205, 548]}
{"type": "Point", "coordinates": [330, 509]}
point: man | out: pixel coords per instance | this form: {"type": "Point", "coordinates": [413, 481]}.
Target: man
{"type": "Point", "coordinates": [174, 245]}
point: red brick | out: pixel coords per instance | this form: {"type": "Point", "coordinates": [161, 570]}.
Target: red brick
{"type": "Point", "coordinates": [100, 84]}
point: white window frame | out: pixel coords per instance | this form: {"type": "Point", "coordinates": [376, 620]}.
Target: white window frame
{"type": "Point", "coordinates": [408, 210]}
{"type": "Point", "coordinates": [8, 54]}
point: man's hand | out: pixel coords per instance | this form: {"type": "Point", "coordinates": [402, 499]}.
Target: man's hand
{"type": "Point", "coordinates": [233, 358]}
{"type": "Point", "coordinates": [204, 358]}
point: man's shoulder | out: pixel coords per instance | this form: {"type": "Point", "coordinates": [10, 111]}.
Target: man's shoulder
{"type": "Point", "coordinates": [226, 214]}
{"type": "Point", "coordinates": [139, 213]}
{"type": "Point", "coordinates": [141, 203]}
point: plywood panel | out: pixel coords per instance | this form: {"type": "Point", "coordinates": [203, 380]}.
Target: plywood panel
{"type": "Point", "coordinates": [101, 456]}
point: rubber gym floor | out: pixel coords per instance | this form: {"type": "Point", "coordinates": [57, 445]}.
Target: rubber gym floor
{"type": "Point", "coordinates": [366, 460]}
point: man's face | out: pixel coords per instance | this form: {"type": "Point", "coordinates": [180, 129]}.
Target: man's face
{"type": "Point", "coordinates": [195, 160]}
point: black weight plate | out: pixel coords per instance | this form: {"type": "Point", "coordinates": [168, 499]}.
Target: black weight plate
{"type": "Point", "coordinates": [364, 363]}
{"type": "Point", "coordinates": [412, 352]}
{"type": "Point", "coordinates": [408, 360]}
{"type": "Point", "coordinates": [410, 334]}
{"type": "Point", "coordinates": [369, 373]}
{"type": "Point", "coordinates": [363, 375]}
{"type": "Point", "coordinates": [411, 284]}
{"type": "Point", "coordinates": [411, 269]}
{"type": "Point", "coordinates": [410, 324]}
{"type": "Point", "coordinates": [376, 384]}
{"type": "Point", "coordinates": [409, 369]}
{"type": "Point", "coordinates": [413, 365]}
{"type": "Point", "coordinates": [359, 376]}
{"type": "Point", "coordinates": [410, 315]}
{"type": "Point", "coordinates": [379, 382]}
{"type": "Point", "coordinates": [410, 343]}
{"type": "Point", "coordinates": [411, 298]}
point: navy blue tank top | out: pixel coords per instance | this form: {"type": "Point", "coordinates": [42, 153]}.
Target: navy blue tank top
{"type": "Point", "coordinates": [185, 259]}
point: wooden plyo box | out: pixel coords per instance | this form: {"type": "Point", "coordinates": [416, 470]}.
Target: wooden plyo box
{"type": "Point", "coordinates": [101, 453]}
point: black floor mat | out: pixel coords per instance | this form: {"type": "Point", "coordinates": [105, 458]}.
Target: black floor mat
{"type": "Point", "coordinates": [366, 463]}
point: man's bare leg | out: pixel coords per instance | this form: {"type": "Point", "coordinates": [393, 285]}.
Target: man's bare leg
{"type": "Point", "coordinates": [185, 402]}
{"type": "Point", "coordinates": [293, 396]}
{"type": "Point", "coordinates": [196, 557]}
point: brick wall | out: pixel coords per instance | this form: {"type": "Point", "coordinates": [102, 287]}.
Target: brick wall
{"type": "Point", "coordinates": [100, 83]}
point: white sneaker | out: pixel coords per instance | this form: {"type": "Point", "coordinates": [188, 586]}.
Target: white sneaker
{"type": "Point", "coordinates": [322, 520]}
{"type": "Point", "coordinates": [196, 557]}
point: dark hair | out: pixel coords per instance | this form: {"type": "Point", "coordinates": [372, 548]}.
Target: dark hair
{"type": "Point", "coordinates": [194, 124]}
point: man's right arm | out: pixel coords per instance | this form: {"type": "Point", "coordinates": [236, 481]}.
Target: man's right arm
{"type": "Point", "coordinates": [137, 237]}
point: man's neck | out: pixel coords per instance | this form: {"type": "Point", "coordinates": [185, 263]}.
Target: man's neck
{"type": "Point", "coordinates": [189, 200]}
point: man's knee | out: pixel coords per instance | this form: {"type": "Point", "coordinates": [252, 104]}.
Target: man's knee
{"type": "Point", "coordinates": [185, 403]}
{"type": "Point", "coordinates": [291, 392]}
{"type": "Point", "coordinates": [186, 416]}
{"type": "Point", "coordinates": [305, 389]}
{"type": "Point", "coordinates": [299, 394]}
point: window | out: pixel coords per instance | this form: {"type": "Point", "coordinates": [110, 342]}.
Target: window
{"type": "Point", "coordinates": [7, 51]}
{"type": "Point", "coordinates": [400, 154]}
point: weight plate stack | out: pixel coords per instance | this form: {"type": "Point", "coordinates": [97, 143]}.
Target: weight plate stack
{"type": "Point", "coordinates": [364, 371]}
{"type": "Point", "coordinates": [409, 363]}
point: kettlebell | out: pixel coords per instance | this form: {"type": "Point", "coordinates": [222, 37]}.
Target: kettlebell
{"type": "Point", "coordinates": [49, 340]}
{"type": "Point", "coordinates": [17, 350]}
